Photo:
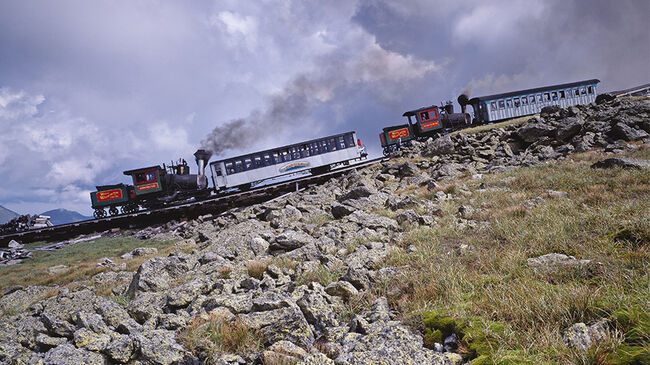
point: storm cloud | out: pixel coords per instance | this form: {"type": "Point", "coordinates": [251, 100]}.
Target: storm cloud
{"type": "Point", "coordinates": [89, 89]}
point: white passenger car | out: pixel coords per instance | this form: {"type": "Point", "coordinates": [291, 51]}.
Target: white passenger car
{"type": "Point", "coordinates": [317, 156]}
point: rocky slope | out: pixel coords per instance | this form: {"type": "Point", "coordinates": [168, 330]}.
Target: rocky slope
{"type": "Point", "coordinates": [260, 267]}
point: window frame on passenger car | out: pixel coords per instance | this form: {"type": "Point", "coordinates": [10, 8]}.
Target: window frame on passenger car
{"type": "Point", "coordinates": [502, 104]}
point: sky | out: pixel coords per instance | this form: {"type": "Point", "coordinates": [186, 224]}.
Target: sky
{"type": "Point", "coordinates": [89, 89]}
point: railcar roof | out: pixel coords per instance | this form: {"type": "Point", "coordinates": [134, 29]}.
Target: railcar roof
{"type": "Point", "coordinates": [532, 91]}
{"type": "Point", "coordinates": [130, 172]}
{"type": "Point", "coordinates": [281, 147]}
{"type": "Point", "coordinates": [415, 111]}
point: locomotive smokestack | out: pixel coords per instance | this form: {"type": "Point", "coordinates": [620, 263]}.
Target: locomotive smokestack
{"type": "Point", "coordinates": [462, 100]}
{"type": "Point", "coordinates": [202, 158]}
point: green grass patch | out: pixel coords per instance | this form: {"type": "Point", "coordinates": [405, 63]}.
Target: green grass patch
{"type": "Point", "coordinates": [80, 258]}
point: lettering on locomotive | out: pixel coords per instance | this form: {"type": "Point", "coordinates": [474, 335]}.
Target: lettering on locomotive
{"type": "Point", "coordinates": [109, 195]}
{"type": "Point", "coordinates": [428, 125]}
{"type": "Point", "coordinates": [399, 133]}
{"type": "Point", "coordinates": [294, 166]}
{"type": "Point", "coordinates": [147, 187]}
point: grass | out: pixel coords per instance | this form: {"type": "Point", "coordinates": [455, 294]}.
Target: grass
{"type": "Point", "coordinates": [81, 260]}
{"type": "Point", "coordinates": [209, 338]}
{"type": "Point", "coordinates": [482, 128]}
{"type": "Point", "coordinates": [321, 274]}
{"type": "Point", "coordinates": [256, 268]}
{"type": "Point", "coordinates": [605, 217]}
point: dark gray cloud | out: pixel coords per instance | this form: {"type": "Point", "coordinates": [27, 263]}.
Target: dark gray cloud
{"type": "Point", "coordinates": [88, 89]}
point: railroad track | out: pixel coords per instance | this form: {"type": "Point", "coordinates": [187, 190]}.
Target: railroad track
{"type": "Point", "coordinates": [214, 205]}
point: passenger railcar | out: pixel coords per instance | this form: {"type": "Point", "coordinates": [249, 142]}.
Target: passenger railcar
{"type": "Point", "coordinates": [317, 156]}
{"type": "Point", "coordinates": [492, 108]}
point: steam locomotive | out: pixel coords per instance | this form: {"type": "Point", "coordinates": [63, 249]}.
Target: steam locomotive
{"type": "Point", "coordinates": [432, 121]}
{"type": "Point", "coordinates": [157, 186]}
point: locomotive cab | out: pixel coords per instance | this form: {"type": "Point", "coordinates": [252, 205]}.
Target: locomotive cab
{"type": "Point", "coordinates": [426, 121]}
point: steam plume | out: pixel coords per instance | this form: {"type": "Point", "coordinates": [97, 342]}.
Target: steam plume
{"type": "Point", "coordinates": [303, 93]}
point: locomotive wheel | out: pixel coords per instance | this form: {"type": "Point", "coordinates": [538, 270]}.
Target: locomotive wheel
{"type": "Point", "coordinates": [99, 213]}
{"type": "Point", "coordinates": [113, 211]}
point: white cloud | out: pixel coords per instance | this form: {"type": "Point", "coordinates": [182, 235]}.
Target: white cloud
{"type": "Point", "coordinates": [18, 104]}
{"type": "Point", "coordinates": [239, 27]}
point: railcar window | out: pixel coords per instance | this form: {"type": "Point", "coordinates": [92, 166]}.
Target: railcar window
{"type": "Point", "coordinates": [517, 103]}
{"type": "Point", "coordinates": [583, 91]}
{"type": "Point", "coordinates": [230, 169]}
{"type": "Point", "coordinates": [590, 89]}
{"type": "Point", "coordinates": [538, 97]}
{"type": "Point", "coordinates": [524, 100]}
{"type": "Point", "coordinates": [531, 99]}
{"type": "Point", "coordinates": [331, 143]}
{"type": "Point", "coordinates": [248, 163]}
{"type": "Point", "coordinates": [493, 105]}
{"type": "Point", "coordinates": [276, 157]}
{"type": "Point", "coordinates": [267, 159]}
{"type": "Point", "coordinates": [349, 140]}
{"type": "Point", "coordinates": [424, 116]}
{"type": "Point", "coordinates": [304, 152]}
{"type": "Point", "coordinates": [502, 104]}
{"type": "Point", "coordinates": [561, 94]}
{"type": "Point", "coordinates": [576, 92]}
{"type": "Point", "coordinates": [554, 95]}
{"type": "Point", "coordinates": [324, 146]}
{"type": "Point", "coordinates": [238, 166]}
{"type": "Point", "coordinates": [547, 97]}
{"type": "Point", "coordinates": [509, 103]}
{"type": "Point", "coordinates": [257, 161]}
{"type": "Point", "coordinates": [139, 177]}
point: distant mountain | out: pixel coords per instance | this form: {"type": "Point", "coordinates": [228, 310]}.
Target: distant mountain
{"type": "Point", "coordinates": [63, 216]}
{"type": "Point", "coordinates": [6, 215]}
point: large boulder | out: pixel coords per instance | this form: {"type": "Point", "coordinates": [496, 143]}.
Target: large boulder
{"type": "Point", "coordinates": [286, 323]}
{"type": "Point", "coordinates": [160, 347]}
{"type": "Point", "coordinates": [624, 131]}
{"type": "Point", "coordinates": [581, 337]}
{"type": "Point", "coordinates": [290, 240]}
{"type": "Point", "coordinates": [156, 274]}
{"type": "Point", "coordinates": [531, 132]}
{"type": "Point", "coordinates": [440, 146]}
{"type": "Point", "coordinates": [568, 128]}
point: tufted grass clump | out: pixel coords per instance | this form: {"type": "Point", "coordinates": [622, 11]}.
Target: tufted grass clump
{"type": "Point", "coordinates": [256, 268]}
{"type": "Point", "coordinates": [320, 274]}
{"type": "Point", "coordinates": [208, 338]}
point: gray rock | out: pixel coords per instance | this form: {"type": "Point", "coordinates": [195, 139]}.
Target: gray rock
{"type": "Point", "coordinates": [319, 308]}
{"type": "Point", "coordinates": [146, 305]}
{"type": "Point", "coordinates": [290, 240]}
{"type": "Point", "coordinates": [15, 245]}
{"type": "Point", "coordinates": [140, 251]}
{"type": "Point", "coordinates": [341, 289]}
{"type": "Point", "coordinates": [581, 337]}
{"type": "Point", "coordinates": [569, 128]}
{"type": "Point", "coordinates": [465, 211]}
{"type": "Point", "coordinates": [390, 343]}
{"type": "Point", "coordinates": [356, 193]}
{"type": "Point", "coordinates": [555, 260]}
{"type": "Point", "coordinates": [157, 273]}
{"type": "Point", "coordinates": [183, 295]}
{"type": "Point", "coordinates": [628, 133]}
{"type": "Point", "coordinates": [407, 169]}
{"type": "Point", "coordinates": [46, 342]}
{"type": "Point", "coordinates": [440, 146]}
{"type": "Point", "coordinates": [160, 347]}
{"type": "Point", "coordinates": [69, 355]}
{"type": "Point", "coordinates": [281, 324]}
{"type": "Point", "coordinates": [283, 352]}
{"type": "Point", "coordinates": [316, 359]}
{"type": "Point", "coordinates": [340, 210]}
{"type": "Point", "coordinates": [408, 217]}
{"type": "Point", "coordinates": [90, 321]}
{"type": "Point", "coordinates": [532, 131]}
{"type": "Point", "coordinates": [89, 340]}
{"type": "Point", "coordinates": [624, 163]}
{"type": "Point", "coordinates": [120, 349]}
